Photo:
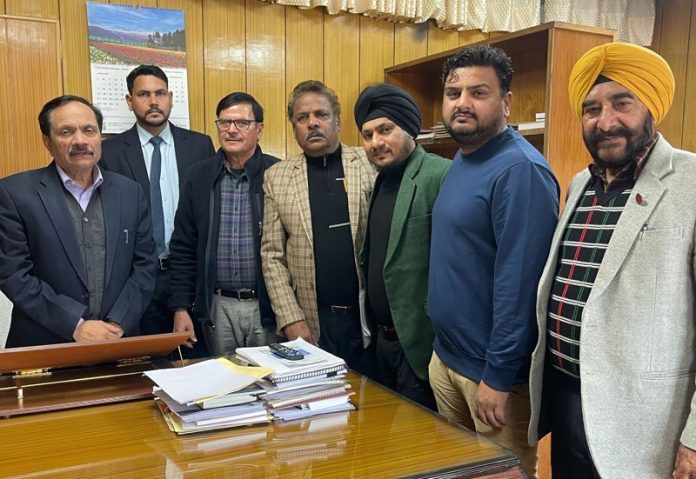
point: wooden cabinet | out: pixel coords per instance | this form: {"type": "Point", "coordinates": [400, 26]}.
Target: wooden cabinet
{"type": "Point", "coordinates": [542, 58]}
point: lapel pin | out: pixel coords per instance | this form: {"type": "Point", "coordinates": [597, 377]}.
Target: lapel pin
{"type": "Point", "coordinates": [640, 199]}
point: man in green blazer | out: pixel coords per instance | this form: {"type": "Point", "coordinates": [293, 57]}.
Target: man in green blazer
{"type": "Point", "coordinates": [396, 249]}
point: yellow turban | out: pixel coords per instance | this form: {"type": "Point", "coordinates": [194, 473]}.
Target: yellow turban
{"type": "Point", "coordinates": [642, 71]}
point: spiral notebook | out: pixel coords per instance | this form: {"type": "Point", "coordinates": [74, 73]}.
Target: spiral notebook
{"type": "Point", "coordinates": [316, 361]}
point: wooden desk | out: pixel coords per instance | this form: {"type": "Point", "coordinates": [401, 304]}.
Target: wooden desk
{"type": "Point", "coordinates": [386, 437]}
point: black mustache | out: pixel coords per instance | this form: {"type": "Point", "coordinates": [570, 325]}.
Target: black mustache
{"type": "Point", "coordinates": [458, 112]}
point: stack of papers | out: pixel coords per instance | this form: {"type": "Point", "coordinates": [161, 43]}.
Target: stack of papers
{"type": "Point", "coordinates": [210, 395]}
{"type": "Point", "coordinates": [217, 393]}
{"type": "Point", "coordinates": [302, 388]}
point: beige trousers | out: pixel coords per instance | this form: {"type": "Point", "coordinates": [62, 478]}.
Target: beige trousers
{"type": "Point", "coordinates": [456, 400]}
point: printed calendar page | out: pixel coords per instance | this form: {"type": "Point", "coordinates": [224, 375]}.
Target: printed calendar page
{"type": "Point", "coordinates": [122, 37]}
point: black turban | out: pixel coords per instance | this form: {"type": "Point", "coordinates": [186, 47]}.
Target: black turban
{"type": "Point", "coordinates": [388, 101]}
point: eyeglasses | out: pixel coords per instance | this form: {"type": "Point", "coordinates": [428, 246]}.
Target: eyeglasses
{"type": "Point", "coordinates": [241, 125]}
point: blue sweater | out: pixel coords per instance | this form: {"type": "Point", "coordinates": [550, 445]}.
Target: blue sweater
{"type": "Point", "coordinates": [492, 226]}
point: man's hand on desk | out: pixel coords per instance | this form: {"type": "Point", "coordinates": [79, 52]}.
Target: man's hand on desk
{"type": "Point", "coordinates": [97, 330]}
{"type": "Point", "coordinates": [490, 405]}
{"type": "Point", "coordinates": [299, 329]}
{"type": "Point", "coordinates": [183, 322]}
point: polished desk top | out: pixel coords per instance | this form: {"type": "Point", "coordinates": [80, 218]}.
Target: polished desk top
{"type": "Point", "coordinates": [386, 437]}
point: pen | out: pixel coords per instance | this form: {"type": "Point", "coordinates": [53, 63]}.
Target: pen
{"type": "Point", "coordinates": [125, 232]}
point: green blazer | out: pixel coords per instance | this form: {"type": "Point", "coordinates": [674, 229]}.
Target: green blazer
{"type": "Point", "coordinates": [408, 254]}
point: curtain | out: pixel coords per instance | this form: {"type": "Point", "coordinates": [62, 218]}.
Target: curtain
{"type": "Point", "coordinates": [633, 20]}
{"type": "Point", "coordinates": [485, 15]}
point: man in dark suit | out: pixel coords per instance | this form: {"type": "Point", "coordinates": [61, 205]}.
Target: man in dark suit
{"type": "Point", "coordinates": [155, 147]}
{"type": "Point", "coordinates": [76, 248]}
{"type": "Point", "coordinates": [396, 250]}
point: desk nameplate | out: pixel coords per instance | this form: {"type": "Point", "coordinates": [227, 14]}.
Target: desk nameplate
{"type": "Point", "coordinates": [66, 376]}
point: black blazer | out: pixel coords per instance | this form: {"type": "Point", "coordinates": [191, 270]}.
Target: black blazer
{"type": "Point", "coordinates": [123, 154]}
{"type": "Point", "coordinates": [196, 230]}
{"type": "Point", "coordinates": [42, 269]}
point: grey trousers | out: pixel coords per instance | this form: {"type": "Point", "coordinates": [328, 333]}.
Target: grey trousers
{"type": "Point", "coordinates": [237, 324]}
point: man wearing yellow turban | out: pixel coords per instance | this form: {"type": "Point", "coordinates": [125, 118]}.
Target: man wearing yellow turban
{"type": "Point", "coordinates": [616, 307]}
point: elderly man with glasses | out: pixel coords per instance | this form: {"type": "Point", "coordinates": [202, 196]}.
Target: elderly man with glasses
{"type": "Point", "coordinates": [215, 260]}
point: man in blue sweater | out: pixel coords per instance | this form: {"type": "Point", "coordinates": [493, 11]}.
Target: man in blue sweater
{"type": "Point", "coordinates": [492, 226]}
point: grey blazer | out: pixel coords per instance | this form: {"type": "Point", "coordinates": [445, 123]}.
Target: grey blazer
{"type": "Point", "coordinates": [637, 345]}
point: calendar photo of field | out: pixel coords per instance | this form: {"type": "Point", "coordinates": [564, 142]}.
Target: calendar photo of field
{"type": "Point", "coordinates": [123, 35]}
{"type": "Point", "coordinates": [120, 38]}
{"type": "Point", "coordinates": [120, 54]}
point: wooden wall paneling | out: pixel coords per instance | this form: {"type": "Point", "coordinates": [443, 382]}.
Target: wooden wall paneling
{"type": "Point", "coordinates": [8, 163]}
{"type": "Point", "coordinates": [472, 36]}
{"type": "Point", "coordinates": [410, 41]}
{"type": "Point", "coordinates": [132, 3]}
{"type": "Point", "coordinates": [31, 50]}
{"type": "Point", "coordinates": [440, 40]}
{"type": "Point", "coordinates": [342, 68]}
{"type": "Point", "coordinates": [495, 35]}
{"type": "Point", "coordinates": [2, 12]}
{"type": "Point", "coordinates": [224, 47]}
{"type": "Point", "coordinates": [73, 27]}
{"type": "Point", "coordinates": [47, 9]}
{"type": "Point", "coordinates": [376, 54]}
{"type": "Point", "coordinates": [376, 50]}
{"type": "Point", "coordinates": [193, 16]}
{"type": "Point", "coordinates": [688, 142]}
{"type": "Point", "coordinates": [657, 29]}
{"type": "Point", "coordinates": [304, 58]}
{"type": "Point", "coordinates": [674, 43]}
{"type": "Point", "coordinates": [265, 66]}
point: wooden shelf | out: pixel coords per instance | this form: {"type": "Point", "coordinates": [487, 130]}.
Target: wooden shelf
{"type": "Point", "coordinates": [542, 57]}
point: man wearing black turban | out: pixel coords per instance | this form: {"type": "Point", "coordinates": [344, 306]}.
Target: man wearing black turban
{"type": "Point", "coordinates": [396, 249]}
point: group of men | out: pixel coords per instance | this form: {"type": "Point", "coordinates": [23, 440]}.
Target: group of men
{"type": "Point", "coordinates": [453, 282]}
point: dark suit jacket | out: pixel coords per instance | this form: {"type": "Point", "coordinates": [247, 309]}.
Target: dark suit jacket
{"type": "Point", "coordinates": [408, 255]}
{"type": "Point", "coordinates": [123, 154]}
{"type": "Point", "coordinates": [196, 231]}
{"type": "Point", "coordinates": [42, 269]}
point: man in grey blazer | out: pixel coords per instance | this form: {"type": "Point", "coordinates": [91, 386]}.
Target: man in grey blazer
{"type": "Point", "coordinates": [612, 376]}
{"type": "Point", "coordinates": [133, 154]}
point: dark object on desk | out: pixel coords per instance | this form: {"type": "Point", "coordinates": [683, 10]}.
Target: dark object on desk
{"type": "Point", "coordinates": [33, 379]}
{"type": "Point", "coordinates": [286, 352]}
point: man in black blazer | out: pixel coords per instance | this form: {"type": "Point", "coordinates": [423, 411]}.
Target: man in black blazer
{"type": "Point", "coordinates": [217, 281]}
{"type": "Point", "coordinates": [76, 248]}
{"type": "Point", "coordinates": [131, 154]}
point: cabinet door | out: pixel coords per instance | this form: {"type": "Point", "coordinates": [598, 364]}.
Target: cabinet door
{"type": "Point", "coordinates": [31, 75]}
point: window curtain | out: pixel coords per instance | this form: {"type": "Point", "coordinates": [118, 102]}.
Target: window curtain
{"type": "Point", "coordinates": [485, 15]}
{"type": "Point", "coordinates": [633, 20]}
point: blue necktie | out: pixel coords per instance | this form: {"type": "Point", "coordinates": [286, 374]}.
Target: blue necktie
{"type": "Point", "coordinates": [156, 195]}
